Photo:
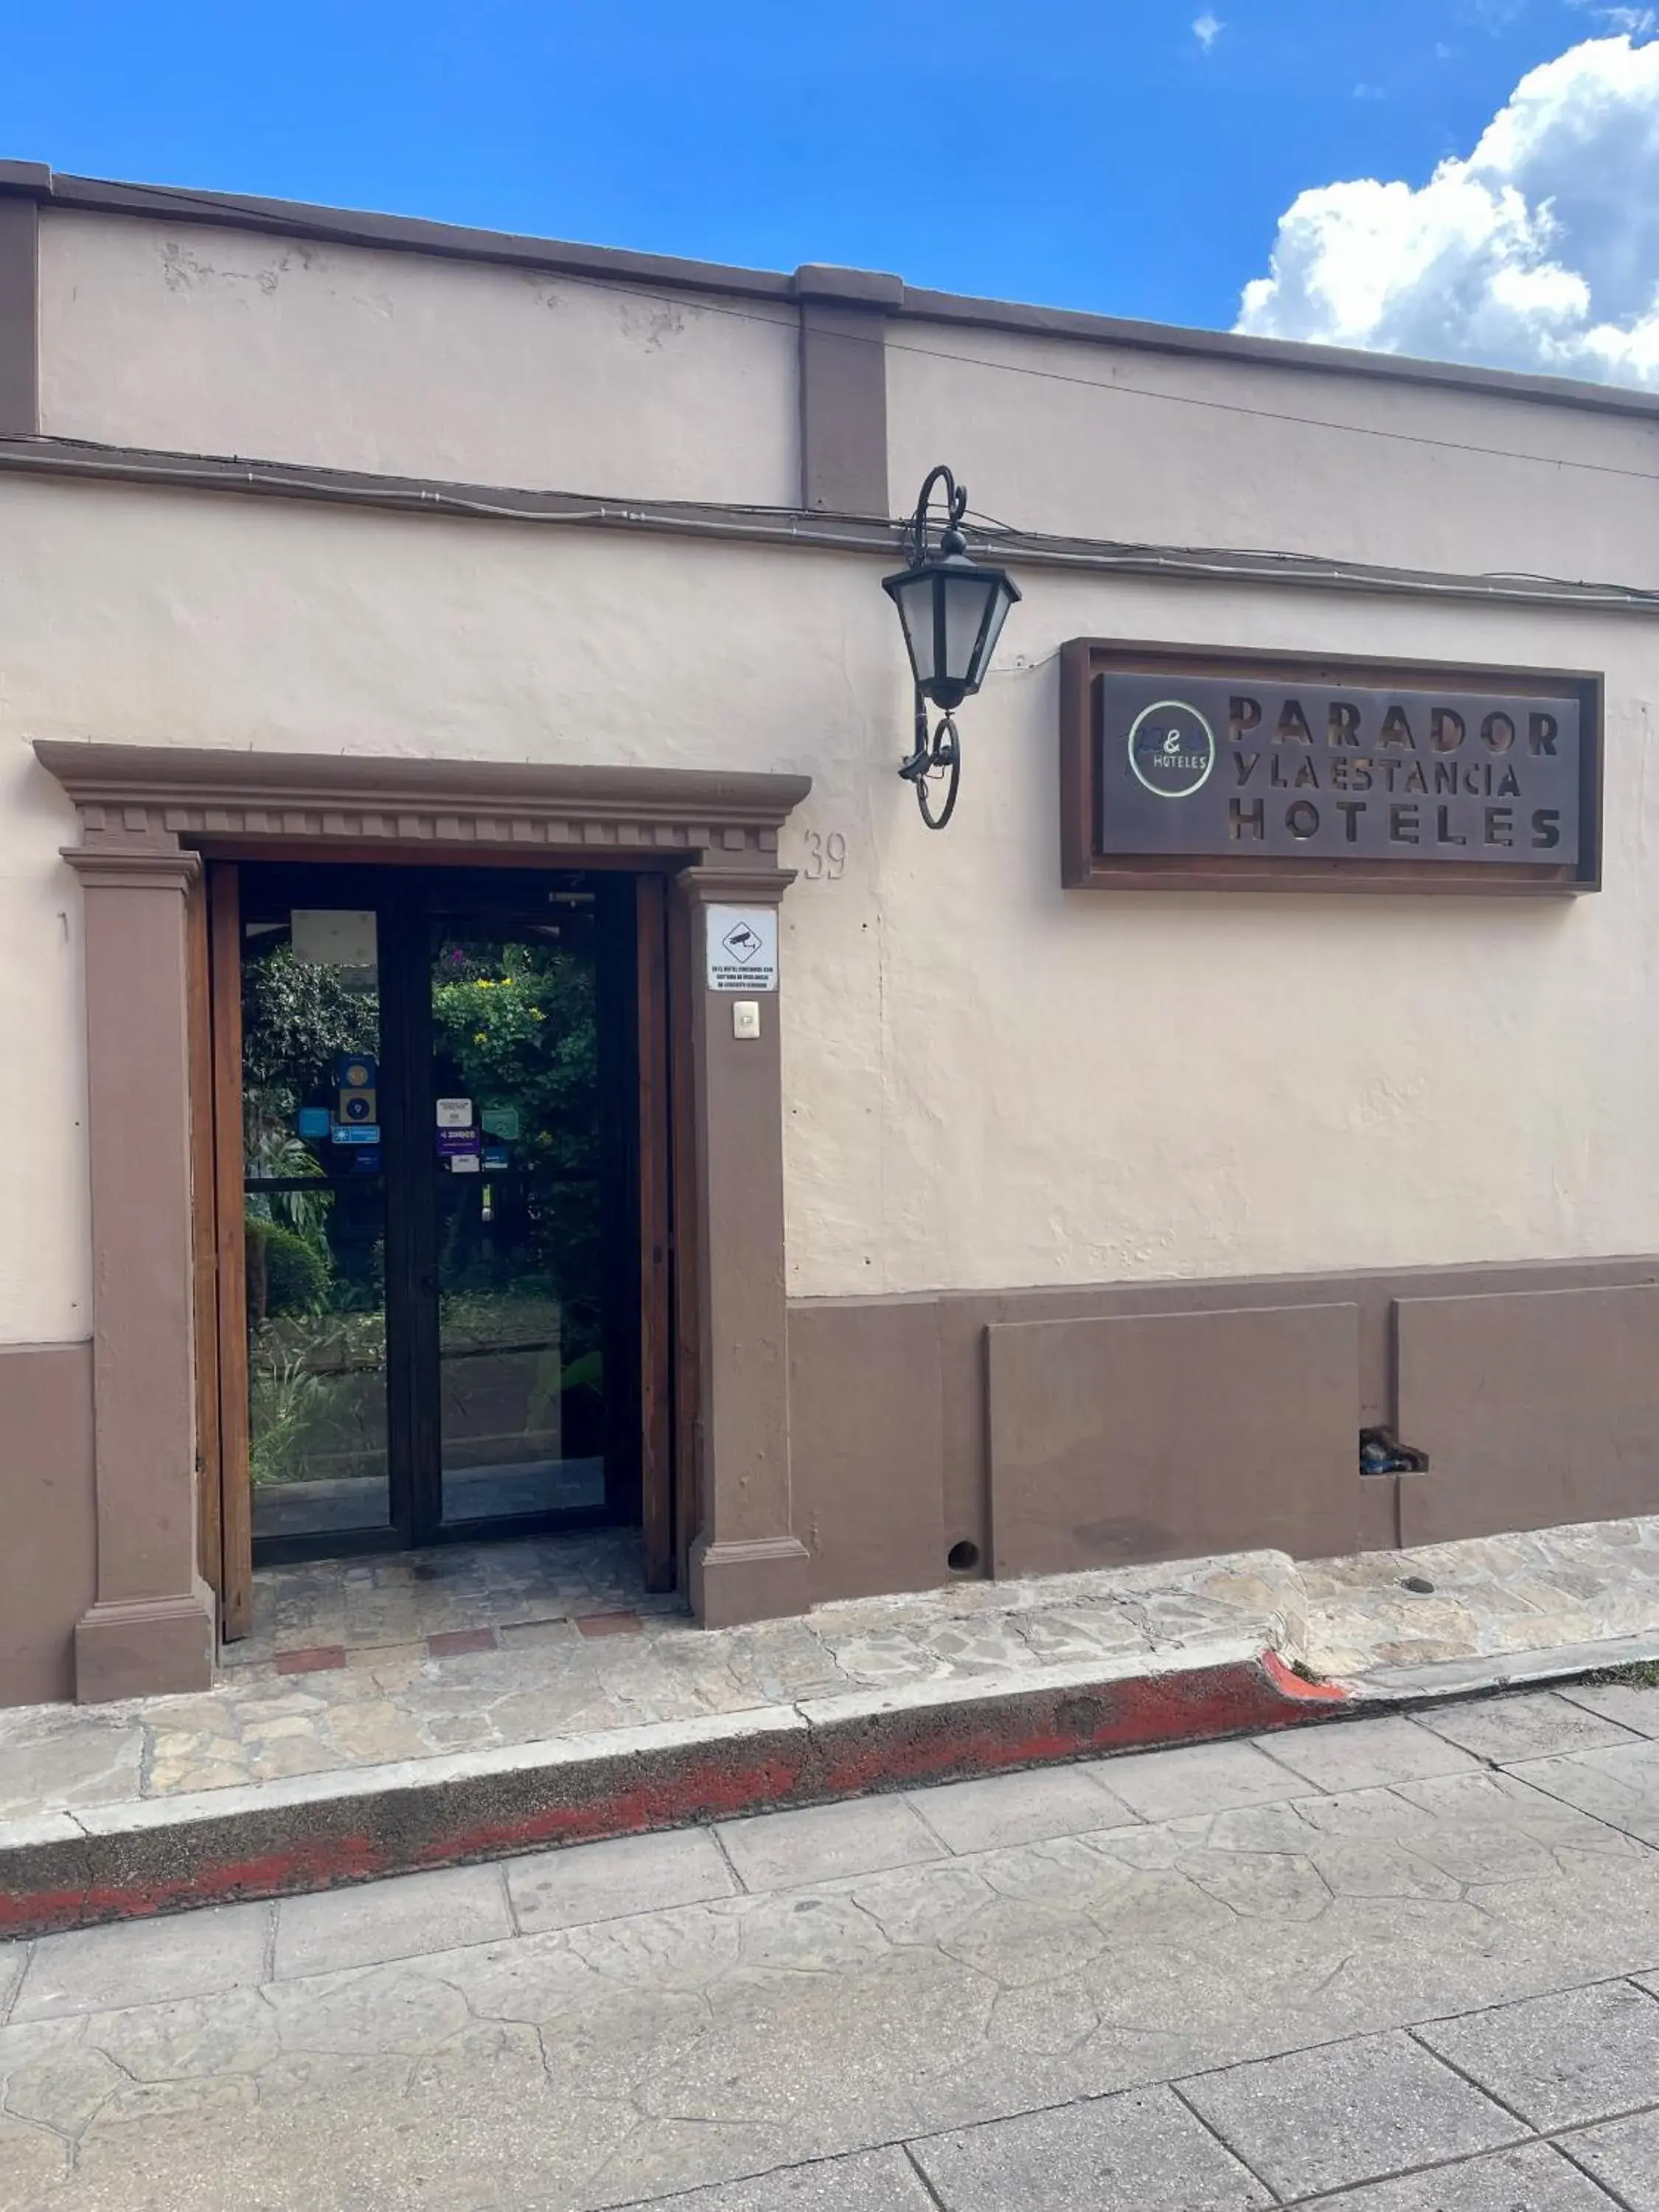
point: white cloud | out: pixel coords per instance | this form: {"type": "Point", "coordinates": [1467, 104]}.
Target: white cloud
{"type": "Point", "coordinates": [1540, 251]}
{"type": "Point", "coordinates": [1634, 22]}
{"type": "Point", "coordinates": [1207, 29]}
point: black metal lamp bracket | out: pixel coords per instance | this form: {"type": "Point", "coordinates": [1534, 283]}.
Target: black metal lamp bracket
{"type": "Point", "coordinates": [956, 506]}
{"type": "Point", "coordinates": [937, 753]}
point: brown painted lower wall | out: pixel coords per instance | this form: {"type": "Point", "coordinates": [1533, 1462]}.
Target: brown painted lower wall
{"type": "Point", "coordinates": [994, 1418]}
{"type": "Point", "coordinates": [1112, 1438]}
{"type": "Point", "coordinates": [1541, 1405]}
{"type": "Point", "coordinates": [1096, 1425]}
{"type": "Point", "coordinates": [49, 1548]}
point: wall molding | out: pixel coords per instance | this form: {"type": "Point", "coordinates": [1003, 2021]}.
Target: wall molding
{"type": "Point", "coordinates": [625, 269]}
{"type": "Point", "coordinates": [148, 798]}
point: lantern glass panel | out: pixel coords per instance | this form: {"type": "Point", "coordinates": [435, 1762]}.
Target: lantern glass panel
{"type": "Point", "coordinates": [916, 606]}
{"type": "Point", "coordinates": [967, 594]}
{"type": "Point", "coordinates": [999, 614]}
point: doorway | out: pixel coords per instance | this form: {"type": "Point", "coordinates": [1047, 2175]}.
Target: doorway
{"type": "Point", "coordinates": [445, 1088]}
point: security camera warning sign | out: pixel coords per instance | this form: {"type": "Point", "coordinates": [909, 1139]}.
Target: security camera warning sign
{"type": "Point", "coordinates": [743, 948]}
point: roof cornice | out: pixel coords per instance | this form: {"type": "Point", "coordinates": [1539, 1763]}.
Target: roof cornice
{"type": "Point", "coordinates": [874, 290]}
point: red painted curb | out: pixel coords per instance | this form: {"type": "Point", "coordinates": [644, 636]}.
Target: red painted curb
{"type": "Point", "coordinates": [276, 1850]}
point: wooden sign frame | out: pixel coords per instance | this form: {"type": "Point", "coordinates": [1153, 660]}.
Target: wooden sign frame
{"type": "Point", "coordinates": [1085, 865]}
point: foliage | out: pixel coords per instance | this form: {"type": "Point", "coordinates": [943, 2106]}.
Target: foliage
{"type": "Point", "coordinates": [517, 1025]}
{"type": "Point", "coordinates": [315, 1390]}
{"type": "Point", "coordinates": [286, 1273]}
{"type": "Point", "coordinates": [279, 1154]}
{"type": "Point", "coordinates": [512, 1025]}
{"type": "Point", "coordinates": [525, 1032]}
{"type": "Point", "coordinates": [286, 1399]}
{"type": "Point", "coordinates": [296, 1015]}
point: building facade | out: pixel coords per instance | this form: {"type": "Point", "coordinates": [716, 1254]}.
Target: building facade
{"type": "Point", "coordinates": [359, 573]}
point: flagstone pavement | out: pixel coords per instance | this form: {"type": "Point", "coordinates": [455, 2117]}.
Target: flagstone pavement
{"type": "Point", "coordinates": [359, 1663]}
{"type": "Point", "coordinates": [1390, 1964]}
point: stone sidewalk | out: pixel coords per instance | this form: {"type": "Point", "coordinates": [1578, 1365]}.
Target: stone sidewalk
{"type": "Point", "coordinates": [546, 1643]}
{"type": "Point", "coordinates": [1397, 1964]}
{"type": "Point", "coordinates": [494, 1678]}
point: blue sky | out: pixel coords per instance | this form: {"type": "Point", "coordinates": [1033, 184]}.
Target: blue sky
{"type": "Point", "coordinates": [1094, 154]}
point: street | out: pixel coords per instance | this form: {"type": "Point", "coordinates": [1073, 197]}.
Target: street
{"type": "Point", "coordinates": [1413, 1959]}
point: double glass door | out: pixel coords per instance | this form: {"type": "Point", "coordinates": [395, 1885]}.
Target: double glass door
{"type": "Point", "coordinates": [440, 1218]}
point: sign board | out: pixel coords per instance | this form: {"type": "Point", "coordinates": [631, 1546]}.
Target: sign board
{"type": "Point", "coordinates": [1211, 771]}
{"type": "Point", "coordinates": [332, 936]}
{"type": "Point", "coordinates": [743, 948]}
{"type": "Point", "coordinates": [455, 1113]}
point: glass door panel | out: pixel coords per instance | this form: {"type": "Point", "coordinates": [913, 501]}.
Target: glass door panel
{"type": "Point", "coordinates": [515, 1168]}
{"type": "Point", "coordinates": [440, 1181]}
{"type": "Point", "coordinates": [315, 1199]}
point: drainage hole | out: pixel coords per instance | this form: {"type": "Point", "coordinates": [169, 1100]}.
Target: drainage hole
{"type": "Point", "coordinates": [961, 1558]}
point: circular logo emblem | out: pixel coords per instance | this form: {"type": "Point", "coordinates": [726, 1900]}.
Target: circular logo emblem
{"type": "Point", "coordinates": [1171, 749]}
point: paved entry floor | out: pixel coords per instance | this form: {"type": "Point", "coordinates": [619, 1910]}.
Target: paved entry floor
{"type": "Point", "coordinates": [1383, 1966]}
{"type": "Point", "coordinates": [390, 1604]}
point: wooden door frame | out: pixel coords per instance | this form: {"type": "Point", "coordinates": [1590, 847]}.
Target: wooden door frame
{"type": "Point", "coordinates": [225, 1525]}
{"type": "Point", "coordinates": [143, 814]}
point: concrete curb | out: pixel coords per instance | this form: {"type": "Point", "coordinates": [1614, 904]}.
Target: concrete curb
{"type": "Point", "coordinates": [160, 1854]}
{"type": "Point", "coordinates": [1437, 1679]}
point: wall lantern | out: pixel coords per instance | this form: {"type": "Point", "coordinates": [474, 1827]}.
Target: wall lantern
{"type": "Point", "coordinates": [952, 609]}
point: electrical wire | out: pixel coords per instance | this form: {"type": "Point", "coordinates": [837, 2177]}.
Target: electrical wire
{"type": "Point", "coordinates": [786, 526]}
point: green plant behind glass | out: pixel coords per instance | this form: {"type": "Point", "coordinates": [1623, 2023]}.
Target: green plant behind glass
{"type": "Point", "coordinates": [517, 1024]}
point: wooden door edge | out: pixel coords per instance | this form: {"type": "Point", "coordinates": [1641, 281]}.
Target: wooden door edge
{"type": "Point", "coordinates": [656, 1336]}
{"type": "Point", "coordinates": [204, 1236]}
{"type": "Point", "coordinates": [685, 1303]}
{"type": "Point", "coordinates": [235, 1491]}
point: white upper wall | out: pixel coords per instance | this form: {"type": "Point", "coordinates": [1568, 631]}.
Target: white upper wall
{"type": "Point", "coordinates": [195, 338]}
{"type": "Point", "coordinates": [1107, 441]}
{"type": "Point", "coordinates": [198, 340]}
{"type": "Point", "coordinates": [988, 1080]}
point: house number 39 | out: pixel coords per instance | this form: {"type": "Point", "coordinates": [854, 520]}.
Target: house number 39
{"type": "Point", "coordinates": [826, 856]}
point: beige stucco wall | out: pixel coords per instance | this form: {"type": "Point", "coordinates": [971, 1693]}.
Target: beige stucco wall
{"type": "Point", "coordinates": [1167, 449]}
{"type": "Point", "coordinates": [989, 1081]}
{"type": "Point", "coordinates": [192, 339]}
{"type": "Point", "coordinates": [43, 1208]}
